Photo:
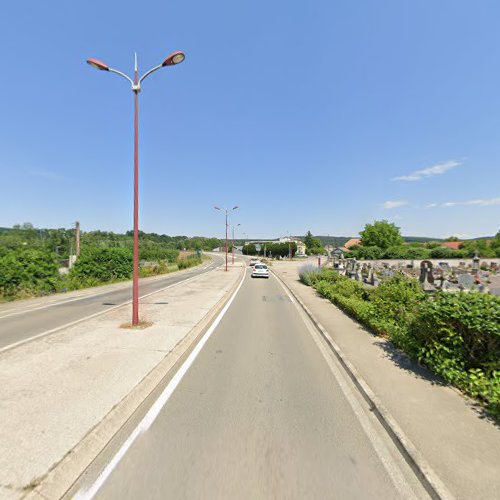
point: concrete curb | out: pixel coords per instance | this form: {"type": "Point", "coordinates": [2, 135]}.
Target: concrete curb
{"type": "Point", "coordinates": [64, 475]}
{"type": "Point", "coordinates": [95, 315]}
{"type": "Point", "coordinates": [424, 472]}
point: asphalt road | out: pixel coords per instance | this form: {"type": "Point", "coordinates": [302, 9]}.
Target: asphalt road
{"type": "Point", "coordinates": [263, 412]}
{"type": "Point", "coordinates": [21, 322]}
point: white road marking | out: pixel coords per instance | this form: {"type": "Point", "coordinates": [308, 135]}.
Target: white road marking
{"type": "Point", "coordinates": [153, 412]}
{"type": "Point", "coordinates": [85, 318]}
{"type": "Point", "coordinates": [390, 465]}
{"type": "Point", "coordinates": [56, 303]}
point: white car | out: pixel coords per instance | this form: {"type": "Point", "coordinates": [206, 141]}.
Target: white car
{"type": "Point", "coordinates": [260, 271]}
{"type": "Point", "coordinates": [253, 261]}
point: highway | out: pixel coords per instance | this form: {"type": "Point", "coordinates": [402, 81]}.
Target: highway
{"type": "Point", "coordinates": [23, 320]}
{"type": "Point", "coordinates": [264, 411]}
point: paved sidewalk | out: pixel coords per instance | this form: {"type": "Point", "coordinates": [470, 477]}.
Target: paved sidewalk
{"type": "Point", "coordinates": [55, 390]}
{"type": "Point", "coordinates": [448, 429]}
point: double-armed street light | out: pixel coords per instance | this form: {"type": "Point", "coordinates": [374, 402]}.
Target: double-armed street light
{"type": "Point", "coordinates": [173, 59]}
{"type": "Point", "coordinates": [227, 213]}
{"type": "Point", "coordinates": [232, 248]}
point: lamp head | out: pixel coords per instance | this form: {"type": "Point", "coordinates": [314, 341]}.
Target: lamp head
{"type": "Point", "coordinates": [174, 58]}
{"type": "Point", "coordinates": [95, 63]}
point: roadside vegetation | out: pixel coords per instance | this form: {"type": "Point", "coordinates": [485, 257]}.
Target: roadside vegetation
{"type": "Point", "coordinates": [383, 240]}
{"type": "Point", "coordinates": [271, 249]}
{"type": "Point", "coordinates": [456, 335]}
{"type": "Point", "coordinates": [31, 258]}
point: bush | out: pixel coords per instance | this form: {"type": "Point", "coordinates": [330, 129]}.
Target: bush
{"type": "Point", "coordinates": [189, 261]}
{"type": "Point", "coordinates": [28, 271]}
{"type": "Point", "coordinates": [397, 300]}
{"type": "Point", "coordinates": [447, 253]}
{"type": "Point", "coordinates": [466, 325]}
{"type": "Point", "coordinates": [457, 335]}
{"type": "Point", "coordinates": [103, 265]}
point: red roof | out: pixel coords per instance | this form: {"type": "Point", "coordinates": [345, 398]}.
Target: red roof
{"type": "Point", "coordinates": [454, 245]}
{"type": "Point", "coordinates": [352, 242]}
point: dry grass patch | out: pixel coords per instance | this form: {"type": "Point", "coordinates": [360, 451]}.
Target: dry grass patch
{"type": "Point", "coordinates": [142, 325]}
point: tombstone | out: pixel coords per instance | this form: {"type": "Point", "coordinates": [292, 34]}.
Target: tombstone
{"type": "Point", "coordinates": [426, 277]}
{"type": "Point", "coordinates": [359, 272]}
{"type": "Point", "coordinates": [465, 281]}
{"type": "Point", "coordinates": [445, 285]}
{"type": "Point", "coordinates": [444, 266]}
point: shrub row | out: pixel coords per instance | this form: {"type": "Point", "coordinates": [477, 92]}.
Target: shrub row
{"type": "Point", "coordinates": [31, 272]}
{"type": "Point", "coordinates": [407, 252]}
{"type": "Point", "coordinates": [456, 335]}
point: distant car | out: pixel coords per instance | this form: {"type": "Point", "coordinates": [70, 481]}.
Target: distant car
{"type": "Point", "coordinates": [253, 262]}
{"type": "Point", "coordinates": [260, 271]}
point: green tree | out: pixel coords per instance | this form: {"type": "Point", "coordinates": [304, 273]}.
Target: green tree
{"type": "Point", "coordinates": [308, 239]}
{"type": "Point", "coordinates": [382, 234]}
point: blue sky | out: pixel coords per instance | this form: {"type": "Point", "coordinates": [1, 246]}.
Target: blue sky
{"type": "Point", "coordinates": [320, 115]}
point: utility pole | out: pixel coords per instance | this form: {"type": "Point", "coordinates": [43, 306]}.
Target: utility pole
{"type": "Point", "coordinates": [77, 239]}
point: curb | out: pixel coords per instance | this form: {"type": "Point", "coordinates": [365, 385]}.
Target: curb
{"type": "Point", "coordinates": [425, 474]}
{"type": "Point", "coordinates": [95, 315]}
{"type": "Point", "coordinates": [63, 476]}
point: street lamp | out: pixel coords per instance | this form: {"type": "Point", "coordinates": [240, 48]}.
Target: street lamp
{"type": "Point", "coordinates": [227, 212]}
{"type": "Point", "coordinates": [232, 248]}
{"type": "Point", "coordinates": [174, 58]}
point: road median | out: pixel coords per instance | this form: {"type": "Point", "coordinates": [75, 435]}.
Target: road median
{"type": "Point", "coordinates": [66, 395]}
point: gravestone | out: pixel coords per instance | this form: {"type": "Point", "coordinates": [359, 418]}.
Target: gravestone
{"type": "Point", "coordinates": [426, 277]}
{"type": "Point", "coordinates": [466, 281]}
{"type": "Point", "coordinates": [444, 266]}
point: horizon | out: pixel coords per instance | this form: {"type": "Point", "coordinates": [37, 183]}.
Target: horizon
{"type": "Point", "coordinates": [246, 238]}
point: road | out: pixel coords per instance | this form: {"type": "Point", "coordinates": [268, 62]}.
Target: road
{"type": "Point", "coordinates": [20, 322]}
{"type": "Point", "coordinates": [264, 411]}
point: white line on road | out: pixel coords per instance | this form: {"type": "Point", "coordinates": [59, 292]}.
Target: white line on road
{"type": "Point", "coordinates": [63, 302]}
{"type": "Point", "coordinates": [153, 412]}
{"type": "Point", "coordinates": [85, 318]}
{"type": "Point", "coordinates": [390, 465]}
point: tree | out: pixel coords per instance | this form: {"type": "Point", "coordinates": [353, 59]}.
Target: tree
{"type": "Point", "coordinates": [313, 245]}
{"type": "Point", "coordinates": [309, 240]}
{"type": "Point", "coordinates": [382, 234]}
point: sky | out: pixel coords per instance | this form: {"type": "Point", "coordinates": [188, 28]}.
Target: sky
{"type": "Point", "coordinates": [321, 116]}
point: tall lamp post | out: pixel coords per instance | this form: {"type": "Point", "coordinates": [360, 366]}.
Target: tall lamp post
{"type": "Point", "coordinates": [232, 248]}
{"type": "Point", "coordinates": [173, 59]}
{"type": "Point", "coordinates": [227, 213]}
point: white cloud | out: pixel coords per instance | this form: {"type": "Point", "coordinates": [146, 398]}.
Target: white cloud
{"type": "Point", "coordinates": [394, 204]}
{"type": "Point", "coordinates": [492, 201]}
{"type": "Point", "coordinates": [483, 203]}
{"type": "Point", "coordinates": [438, 169]}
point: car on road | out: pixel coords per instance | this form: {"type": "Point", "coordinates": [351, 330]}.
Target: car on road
{"type": "Point", "coordinates": [260, 271]}
{"type": "Point", "coordinates": [253, 262]}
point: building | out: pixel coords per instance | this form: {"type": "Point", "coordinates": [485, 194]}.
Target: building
{"type": "Point", "coordinates": [350, 243]}
{"type": "Point", "coordinates": [454, 245]}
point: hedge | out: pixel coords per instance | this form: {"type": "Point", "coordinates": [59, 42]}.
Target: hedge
{"type": "Point", "coordinates": [456, 335]}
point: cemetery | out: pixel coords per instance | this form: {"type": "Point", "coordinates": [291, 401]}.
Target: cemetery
{"type": "Point", "coordinates": [454, 275]}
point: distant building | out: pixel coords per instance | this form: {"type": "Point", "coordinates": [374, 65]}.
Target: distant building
{"type": "Point", "coordinates": [454, 245]}
{"type": "Point", "coordinates": [352, 242]}
{"type": "Point", "coordinates": [301, 248]}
